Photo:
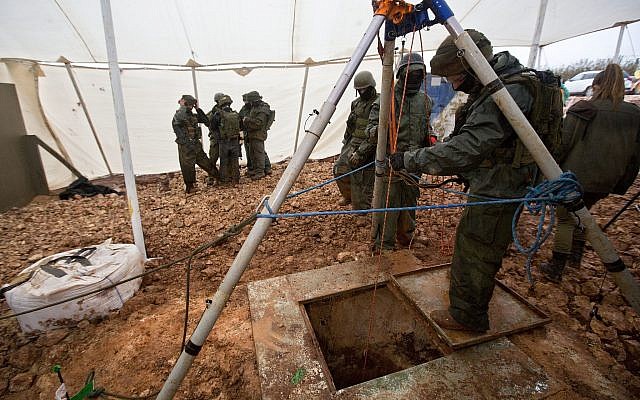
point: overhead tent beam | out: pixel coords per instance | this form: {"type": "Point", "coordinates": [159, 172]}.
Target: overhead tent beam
{"type": "Point", "coordinates": [259, 230]}
{"type": "Point", "coordinates": [67, 65]}
{"type": "Point", "coordinates": [535, 44]}
{"type": "Point", "coordinates": [121, 123]}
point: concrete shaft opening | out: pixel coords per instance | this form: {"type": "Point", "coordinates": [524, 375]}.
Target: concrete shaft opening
{"type": "Point", "coordinates": [369, 333]}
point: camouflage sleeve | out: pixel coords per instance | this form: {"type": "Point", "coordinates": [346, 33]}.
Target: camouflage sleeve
{"type": "Point", "coordinates": [484, 130]}
{"type": "Point", "coordinates": [574, 126]}
{"type": "Point", "coordinates": [368, 146]}
{"type": "Point", "coordinates": [202, 117]}
{"type": "Point", "coordinates": [179, 124]}
{"type": "Point", "coordinates": [258, 121]}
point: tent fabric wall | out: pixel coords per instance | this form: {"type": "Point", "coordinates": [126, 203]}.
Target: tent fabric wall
{"type": "Point", "coordinates": [150, 101]}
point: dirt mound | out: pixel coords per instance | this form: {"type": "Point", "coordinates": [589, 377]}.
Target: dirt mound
{"type": "Point", "coordinates": [133, 350]}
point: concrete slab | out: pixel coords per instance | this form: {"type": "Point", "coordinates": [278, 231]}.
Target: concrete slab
{"type": "Point", "coordinates": [292, 366]}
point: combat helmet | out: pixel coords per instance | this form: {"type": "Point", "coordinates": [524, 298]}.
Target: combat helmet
{"type": "Point", "coordinates": [217, 97]}
{"type": "Point", "coordinates": [224, 100]}
{"type": "Point", "coordinates": [189, 100]}
{"type": "Point", "coordinates": [363, 80]}
{"type": "Point", "coordinates": [252, 96]}
{"type": "Point", "coordinates": [447, 61]}
{"type": "Point", "coordinates": [415, 62]}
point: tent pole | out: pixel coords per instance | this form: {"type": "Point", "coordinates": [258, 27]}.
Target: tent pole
{"type": "Point", "coordinates": [615, 266]}
{"type": "Point", "coordinates": [616, 55]}
{"type": "Point", "coordinates": [535, 44]}
{"type": "Point", "coordinates": [121, 123]}
{"type": "Point", "coordinates": [304, 92]}
{"type": "Point", "coordinates": [289, 176]}
{"type": "Point", "coordinates": [386, 97]}
{"type": "Point", "coordinates": [67, 65]}
{"type": "Point", "coordinates": [195, 83]}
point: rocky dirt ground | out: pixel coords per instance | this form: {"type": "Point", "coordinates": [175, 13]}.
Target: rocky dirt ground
{"type": "Point", "coordinates": [132, 350]}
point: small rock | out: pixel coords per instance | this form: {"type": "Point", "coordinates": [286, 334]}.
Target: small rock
{"type": "Point", "coordinates": [289, 260]}
{"type": "Point", "coordinates": [345, 256]}
{"type": "Point", "coordinates": [52, 338]}
{"type": "Point", "coordinates": [21, 382]}
{"type": "Point", "coordinates": [606, 333]}
{"type": "Point", "coordinates": [35, 257]}
{"type": "Point", "coordinates": [582, 308]}
{"type": "Point", "coordinates": [590, 289]}
{"type": "Point", "coordinates": [24, 357]}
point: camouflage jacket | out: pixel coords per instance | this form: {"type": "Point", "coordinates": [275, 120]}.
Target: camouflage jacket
{"type": "Point", "coordinates": [479, 150]}
{"type": "Point", "coordinates": [185, 124]}
{"type": "Point", "coordinates": [414, 128]}
{"type": "Point", "coordinates": [254, 120]}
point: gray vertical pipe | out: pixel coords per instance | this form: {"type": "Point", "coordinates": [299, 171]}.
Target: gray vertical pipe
{"type": "Point", "coordinates": [616, 55]}
{"type": "Point", "coordinates": [304, 92]}
{"type": "Point", "coordinates": [195, 83]}
{"type": "Point", "coordinates": [289, 176]}
{"type": "Point", "coordinates": [67, 65]}
{"type": "Point", "coordinates": [386, 97]}
{"type": "Point", "coordinates": [121, 123]}
{"type": "Point", "coordinates": [624, 279]}
{"type": "Point", "coordinates": [535, 44]}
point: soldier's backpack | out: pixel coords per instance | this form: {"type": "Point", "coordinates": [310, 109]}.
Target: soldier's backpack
{"type": "Point", "coordinates": [546, 112]}
{"type": "Point", "coordinates": [229, 125]}
{"type": "Point", "coordinates": [272, 117]}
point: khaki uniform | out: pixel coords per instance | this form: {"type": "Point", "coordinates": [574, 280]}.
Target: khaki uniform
{"type": "Point", "coordinates": [481, 149]}
{"type": "Point", "coordinates": [358, 187]}
{"type": "Point", "coordinates": [413, 134]}
{"type": "Point", "coordinates": [604, 153]}
{"type": "Point", "coordinates": [188, 138]}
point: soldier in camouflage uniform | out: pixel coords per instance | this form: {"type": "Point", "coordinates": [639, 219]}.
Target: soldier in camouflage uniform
{"type": "Point", "coordinates": [357, 188]}
{"type": "Point", "coordinates": [413, 133]}
{"type": "Point", "coordinates": [267, 163]}
{"type": "Point", "coordinates": [226, 123]}
{"type": "Point", "coordinates": [255, 117]}
{"type": "Point", "coordinates": [188, 138]}
{"type": "Point", "coordinates": [481, 149]}
{"type": "Point", "coordinates": [214, 151]}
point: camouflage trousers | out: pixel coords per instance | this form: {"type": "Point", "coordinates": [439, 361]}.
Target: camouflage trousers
{"type": "Point", "coordinates": [566, 230]}
{"type": "Point", "coordinates": [389, 226]}
{"type": "Point", "coordinates": [362, 188]}
{"type": "Point", "coordinates": [214, 150]}
{"type": "Point", "coordinates": [482, 239]}
{"type": "Point", "coordinates": [341, 167]}
{"type": "Point", "coordinates": [229, 165]}
{"type": "Point", "coordinates": [247, 152]}
{"type": "Point", "coordinates": [189, 155]}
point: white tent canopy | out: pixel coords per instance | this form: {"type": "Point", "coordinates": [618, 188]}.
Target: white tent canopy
{"type": "Point", "coordinates": [271, 39]}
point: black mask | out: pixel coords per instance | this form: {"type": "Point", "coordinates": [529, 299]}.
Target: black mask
{"type": "Point", "coordinates": [414, 80]}
{"type": "Point", "coordinates": [470, 85]}
{"type": "Point", "coordinates": [367, 93]}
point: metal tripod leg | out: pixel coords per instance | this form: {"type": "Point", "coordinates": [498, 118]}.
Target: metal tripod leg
{"type": "Point", "coordinates": [196, 341]}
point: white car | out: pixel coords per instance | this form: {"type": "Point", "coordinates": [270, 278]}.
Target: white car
{"type": "Point", "coordinates": [582, 84]}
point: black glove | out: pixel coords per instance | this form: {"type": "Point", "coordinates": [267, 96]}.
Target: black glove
{"type": "Point", "coordinates": [397, 161]}
{"type": "Point", "coordinates": [355, 160]}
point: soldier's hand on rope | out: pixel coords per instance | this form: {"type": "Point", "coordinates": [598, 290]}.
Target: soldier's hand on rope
{"type": "Point", "coordinates": [397, 161]}
{"type": "Point", "coordinates": [355, 160]}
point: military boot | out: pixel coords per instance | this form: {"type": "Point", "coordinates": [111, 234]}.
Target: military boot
{"type": "Point", "coordinates": [553, 269]}
{"type": "Point", "coordinates": [190, 188]}
{"type": "Point", "coordinates": [577, 250]}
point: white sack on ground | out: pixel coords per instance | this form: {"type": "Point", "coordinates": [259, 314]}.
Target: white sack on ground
{"type": "Point", "coordinates": [58, 277]}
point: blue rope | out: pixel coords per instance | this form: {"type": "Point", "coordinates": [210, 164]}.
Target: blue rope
{"type": "Point", "coordinates": [292, 195]}
{"type": "Point", "coordinates": [560, 191]}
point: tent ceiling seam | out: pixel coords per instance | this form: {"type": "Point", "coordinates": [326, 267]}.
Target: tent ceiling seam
{"type": "Point", "coordinates": [293, 27]}
{"type": "Point", "coordinates": [470, 10]}
{"type": "Point", "coordinates": [75, 29]}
